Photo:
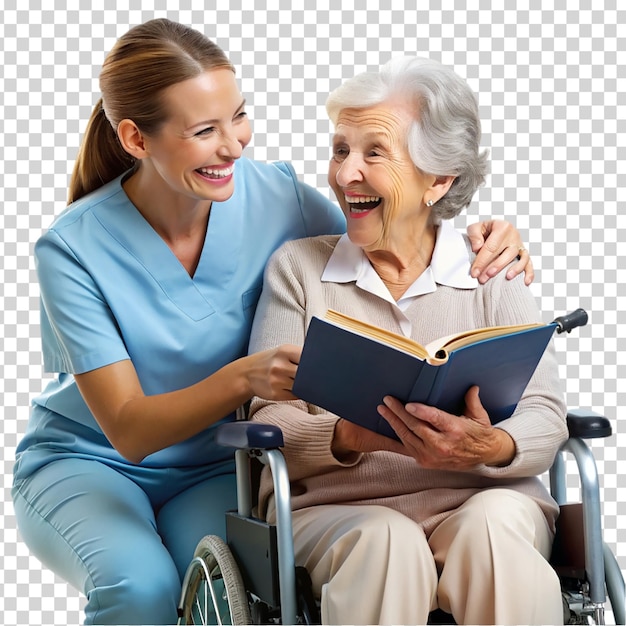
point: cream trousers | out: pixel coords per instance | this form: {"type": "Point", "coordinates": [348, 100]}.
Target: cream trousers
{"type": "Point", "coordinates": [485, 564]}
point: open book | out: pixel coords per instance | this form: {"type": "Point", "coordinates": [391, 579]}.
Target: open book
{"type": "Point", "coordinates": [436, 352]}
{"type": "Point", "coordinates": [347, 367]}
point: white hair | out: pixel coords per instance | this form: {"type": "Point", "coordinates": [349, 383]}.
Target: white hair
{"type": "Point", "coordinates": [444, 137]}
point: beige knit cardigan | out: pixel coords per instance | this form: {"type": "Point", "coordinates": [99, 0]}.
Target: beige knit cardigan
{"type": "Point", "coordinates": [293, 293]}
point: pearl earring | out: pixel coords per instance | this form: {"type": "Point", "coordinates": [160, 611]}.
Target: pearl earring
{"type": "Point", "coordinates": [430, 203]}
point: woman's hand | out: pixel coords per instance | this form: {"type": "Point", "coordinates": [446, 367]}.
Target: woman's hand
{"type": "Point", "coordinates": [350, 438]}
{"type": "Point", "coordinates": [497, 243]}
{"type": "Point", "coordinates": [439, 440]}
{"type": "Point", "coordinates": [270, 374]}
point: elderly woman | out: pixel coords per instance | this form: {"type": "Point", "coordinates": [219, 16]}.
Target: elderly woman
{"type": "Point", "coordinates": [454, 516]}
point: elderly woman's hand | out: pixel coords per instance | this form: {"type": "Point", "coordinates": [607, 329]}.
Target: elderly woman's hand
{"type": "Point", "coordinates": [439, 440]}
{"type": "Point", "coordinates": [497, 243]}
{"type": "Point", "coordinates": [350, 438]}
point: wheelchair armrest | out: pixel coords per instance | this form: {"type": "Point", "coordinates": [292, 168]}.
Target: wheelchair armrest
{"type": "Point", "coordinates": [587, 424]}
{"type": "Point", "coordinates": [249, 436]}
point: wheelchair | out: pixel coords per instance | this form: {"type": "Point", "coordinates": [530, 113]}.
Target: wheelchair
{"type": "Point", "coordinates": [251, 578]}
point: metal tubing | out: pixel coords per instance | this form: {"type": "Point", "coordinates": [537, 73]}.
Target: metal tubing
{"type": "Point", "coordinates": [284, 532]}
{"type": "Point", "coordinates": [615, 586]}
{"type": "Point", "coordinates": [592, 524]}
{"type": "Point", "coordinates": [244, 490]}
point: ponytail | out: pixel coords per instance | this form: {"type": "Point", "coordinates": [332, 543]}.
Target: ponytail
{"type": "Point", "coordinates": [101, 157]}
{"type": "Point", "coordinates": [144, 62]}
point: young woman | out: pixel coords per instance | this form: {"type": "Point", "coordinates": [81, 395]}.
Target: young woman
{"type": "Point", "coordinates": [149, 282]}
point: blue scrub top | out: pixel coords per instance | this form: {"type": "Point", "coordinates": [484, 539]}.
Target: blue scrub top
{"type": "Point", "coordinates": [111, 289]}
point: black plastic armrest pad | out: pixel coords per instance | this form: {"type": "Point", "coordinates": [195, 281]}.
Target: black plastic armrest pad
{"type": "Point", "coordinates": [249, 436]}
{"type": "Point", "coordinates": [587, 424]}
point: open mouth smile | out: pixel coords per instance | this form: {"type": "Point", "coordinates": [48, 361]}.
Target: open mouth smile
{"type": "Point", "coordinates": [215, 173]}
{"type": "Point", "coordinates": [362, 204]}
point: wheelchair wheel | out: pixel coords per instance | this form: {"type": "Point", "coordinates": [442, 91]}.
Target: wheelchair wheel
{"type": "Point", "coordinates": [307, 607]}
{"type": "Point", "coordinates": [213, 591]}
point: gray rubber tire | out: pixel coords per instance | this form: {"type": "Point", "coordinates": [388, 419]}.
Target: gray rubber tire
{"type": "Point", "coordinates": [213, 572]}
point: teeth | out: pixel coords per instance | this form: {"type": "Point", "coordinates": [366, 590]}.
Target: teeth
{"type": "Point", "coordinates": [358, 199]}
{"type": "Point", "coordinates": [220, 173]}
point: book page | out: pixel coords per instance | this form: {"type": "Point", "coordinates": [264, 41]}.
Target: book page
{"type": "Point", "coordinates": [436, 352]}
{"type": "Point", "coordinates": [381, 335]}
{"type": "Point", "coordinates": [458, 340]}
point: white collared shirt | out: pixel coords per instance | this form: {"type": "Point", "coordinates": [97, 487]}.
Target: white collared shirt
{"type": "Point", "coordinates": [450, 266]}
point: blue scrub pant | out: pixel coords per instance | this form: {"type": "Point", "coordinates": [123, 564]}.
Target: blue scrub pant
{"type": "Point", "coordinates": [125, 537]}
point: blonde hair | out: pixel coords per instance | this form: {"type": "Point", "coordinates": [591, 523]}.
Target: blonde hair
{"type": "Point", "coordinates": [146, 60]}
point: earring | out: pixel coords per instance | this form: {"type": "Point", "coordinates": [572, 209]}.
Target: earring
{"type": "Point", "coordinates": [430, 203]}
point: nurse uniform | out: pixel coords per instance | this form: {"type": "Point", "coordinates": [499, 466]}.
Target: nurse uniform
{"type": "Point", "coordinates": [111, 289]}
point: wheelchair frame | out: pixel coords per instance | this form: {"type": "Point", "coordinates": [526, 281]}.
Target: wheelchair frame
{"type": "Point", "coordinates": [262, 554]}
{"type": "Point", "coordinates": [598, 567]}
{"type": "Point", "coordinates": [273, 570]}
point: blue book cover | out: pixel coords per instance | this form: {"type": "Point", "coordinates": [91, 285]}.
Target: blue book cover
{"type": "Point", "coordinates": [348, 373]}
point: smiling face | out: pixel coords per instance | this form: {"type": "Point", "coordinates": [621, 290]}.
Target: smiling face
{"type": "Point", "coordinates": [377, 185]}
{"type": "Point", "coordinates": [194, 152]}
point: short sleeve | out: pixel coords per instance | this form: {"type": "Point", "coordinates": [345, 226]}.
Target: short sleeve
{"type": "Point", "coordinates": [79, 331]}
{"type": "Point", "coordinates": [321, 216]}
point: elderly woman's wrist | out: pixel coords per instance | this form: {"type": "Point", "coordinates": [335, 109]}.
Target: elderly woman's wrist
{"type": "Point", "coordinates": [341, 452]}
{"type": "Point", "coordinates": [504, 449]}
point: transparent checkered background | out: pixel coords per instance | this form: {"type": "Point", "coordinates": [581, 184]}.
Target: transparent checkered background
{"type": "Point", "coordinates": [550, 78]}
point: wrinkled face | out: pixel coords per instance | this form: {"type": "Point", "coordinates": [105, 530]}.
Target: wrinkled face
{"type": "Point", "coordinates": [206, 131]}
{"type": "Point", "coordinates": [371, 172]}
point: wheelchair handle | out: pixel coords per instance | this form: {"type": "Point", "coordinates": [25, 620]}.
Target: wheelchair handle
{"type": "Point", "coordinates": [566, 323]}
